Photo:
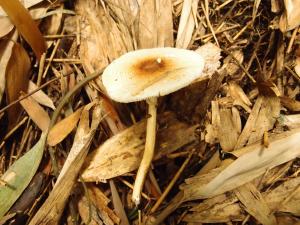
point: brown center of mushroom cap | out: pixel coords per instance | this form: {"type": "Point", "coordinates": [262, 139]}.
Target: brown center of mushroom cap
{"type": "Point", "coordinates": [151, 67]}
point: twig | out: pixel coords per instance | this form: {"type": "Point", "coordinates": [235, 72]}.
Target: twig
{"type": "Point", "coordinates": [15, 128]}
{"type": "Point", "coordinates": [205, 11]}
{"type": "Point", "coordinates": [131, 187]}
{"type": "Point", "coordinates": [240, 65]}
{"type": "Point", "coordinates": [78, 61]}
{"type": "Point", "coordinates": [291, 42]}
{"type": "Point", "coordinates": [51, 57]}
{"type": "Point", "coordinates": [31, 93]}
{"type": "Point", "coordinates": [171, 184]}
{"type": "Point", "coordinates": [41, 69]}
{"type": "Point", "coordinates": [54, 36]}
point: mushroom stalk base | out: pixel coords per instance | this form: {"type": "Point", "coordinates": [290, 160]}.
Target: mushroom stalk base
{"type": "Point", "coordinates": [148, 153]}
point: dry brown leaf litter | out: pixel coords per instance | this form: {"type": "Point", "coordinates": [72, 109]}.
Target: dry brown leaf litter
{"type": "Point", "coordinates": [252, 99]}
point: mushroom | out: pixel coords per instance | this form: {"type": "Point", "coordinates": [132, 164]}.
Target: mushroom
{"type": "Point", "coordinates": [147, 74]}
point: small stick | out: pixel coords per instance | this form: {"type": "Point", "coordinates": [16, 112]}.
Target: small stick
{"type": "Point", "coordinates": [31, 93]}
{"type": "Point", "coordinates": [51, 57]}
{"type": "Point", "coordinates": [41, 69]}
{"type": "Point", "coordinates": [15, 128]}
{"type": "Point", "coordinates": [205, 11]}
{"type": "Point", "coordinates": [171, 184]}
{"type": "Point", "coordinates": [53, 36]}
{"type": "Point", "coordinates": [154, 182]}
{"type": "Point", "coordinates": [78, 61]}
{"type": "Point", "coordinates": [222, 5]}
{"type": "Point", "coordinates": [131, 187]}
{"type": "Point", "coordinates": [148, 153]}
{"type": "Point", "coordinates": [291, 42]}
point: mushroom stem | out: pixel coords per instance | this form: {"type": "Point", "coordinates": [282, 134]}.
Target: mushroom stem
{"type": "Point", "coordinates": [148, 153]}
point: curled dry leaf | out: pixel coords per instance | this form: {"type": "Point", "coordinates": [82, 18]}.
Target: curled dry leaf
{"type": "Point", "coordinates": [17, 13]}
{"type": "Point", "coordinates": [63, 128]}
{"type": "Point", "coordinates": [38, 115]}
{"type": "Point", "coordinates": [17, 79]}
{"type": "Point", "coordinates": [290, 19]}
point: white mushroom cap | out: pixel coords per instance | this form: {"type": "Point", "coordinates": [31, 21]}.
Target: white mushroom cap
{"type": "Point", "coordinates": [146, 73]}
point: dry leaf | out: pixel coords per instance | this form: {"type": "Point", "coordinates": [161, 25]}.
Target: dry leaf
{"type": "Point", "coordinates": [227, 130]}
{"type": "Point", "coordinates": [101, 202]}
{"type": "Point", "coordinates": [238, 94]}
{"type": "Point", "coordinates": [29, 30]}
{"type": "Point", "coordinates": [152, 30]}
{"type": "Point", "coordinates": [126, 11]}
{"type": "Point", "coordinates": [221, 208]}
{"type": "Point", "coordinates": [290, 104]}
{"type": "Point", "coordinates": [231, 66]}
{"type": "Point", "coordinates": [17, 78]}
{"type": "Point", "coordinates": [249, 126]}
{"type": "Point", "coordinates": [52, 209]}
{"type": "Point", "coordinates": [267, 116]}
{"type": "Point", "coordinates": [290, 19]}
{"type": "Point", "coordinates": [39, 11]}
{"type": "Point", "coordinates": [122, 153]}
{"type": "Point", "coordinates": [276, 6]}
{"type": "Point", "coordinates": [27, 4]}
{"type": "Point", "coordinates": [52, 24]}
{"type": "Point", "coordinates": [291, 121]}
{"type": "Point", "coordinates": [63, 128]}
{"type": "Point", "coordinates": [297, 66]}
{"type": "Point", "coordinates": [38, 115]}
{"type": "Point", "coordinates": [225, 207]}
{"type": "Point", "coordinates": [265, 120]}
{"type": "Point", "coordinates": [40, 96]}
{"type": "Point", "coordinates": [5, 54]}
{"type": "Point", "coordinates": [285, 197]}
{"type": "Point", "coordinates": [257, 159]}
{"type": "Point", "coordinates": [101, 38]}
{"type": "Point", "coordinates": [187, 23]}
{"type": "Point", "coordinates": [5, 26]}
{"type": "Point", "coordinates": [255, 204]}
{"type": "Point", "coordinates": [88, 212]}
